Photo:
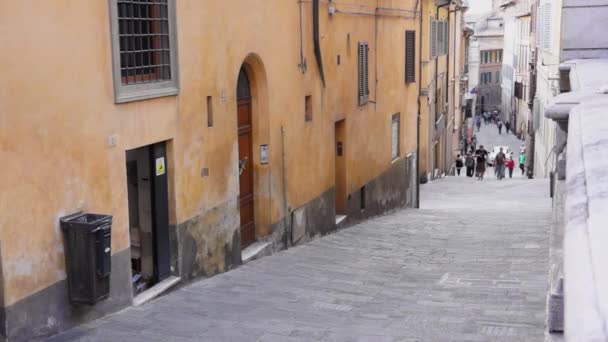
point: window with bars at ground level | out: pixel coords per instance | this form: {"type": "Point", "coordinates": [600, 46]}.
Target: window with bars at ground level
{"type": "Point", "coordinates": [395, 123]}
{"type": "Point", "coordinates": [143, 44]}
{"type": "Point", "coordinates": [363, 73]}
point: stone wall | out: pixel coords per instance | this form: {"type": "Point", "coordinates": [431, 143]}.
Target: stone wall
{"type": "Point", "coordinates": [586, 236]}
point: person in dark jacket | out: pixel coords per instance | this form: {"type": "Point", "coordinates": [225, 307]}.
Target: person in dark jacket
{"type": "Point", "coordinates": [469, 162]}
{"type": "Point", "coordinates": [459, 164]}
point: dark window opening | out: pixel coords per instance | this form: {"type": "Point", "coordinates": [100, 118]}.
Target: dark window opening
{"type": "Point", "coordinates": [308, 108]}
{"type": "Point", "coordinates": [362, 198]}
{"type": "Point", "coordinates": [209, 111]}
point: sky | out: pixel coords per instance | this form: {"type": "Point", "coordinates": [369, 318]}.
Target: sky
{"type": "Point", "coordinates": [477, 7]}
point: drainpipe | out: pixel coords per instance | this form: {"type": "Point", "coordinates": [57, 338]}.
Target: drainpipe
{"type": "Point", "coordinates": [454, 68]}
{"type": "Point", "coordinates": [418, 120]}
{"type": "Point", "coordinates": [316, 39]}
{"type": "Point", "coordinates": [286, 218]}
{"type": "Point", "coordinates": [302, 60]}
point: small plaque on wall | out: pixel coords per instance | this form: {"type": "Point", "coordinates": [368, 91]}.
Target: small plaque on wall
{"type": "Point", "coordinates": [263, 154]}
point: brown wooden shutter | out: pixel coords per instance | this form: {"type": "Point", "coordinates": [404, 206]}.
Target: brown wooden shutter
{"type": "Point", "coordinates": [433, 38]}
{"type": "Point", "coordinates": [410, 56]}
{"type": "Point", "coordinates": [363, 73]}
{"type": "Point", "coordinates": [446, 37]}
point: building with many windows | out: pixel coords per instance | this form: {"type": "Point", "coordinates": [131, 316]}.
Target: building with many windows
{"type": "Point", "coordinates": [485, 61]}
{"type": "Point", "coordinates": [441, 65]}
{"type": "Point", "coordinates": [212, 132]}
{"type": "Point", "coordinates": [516, 66]}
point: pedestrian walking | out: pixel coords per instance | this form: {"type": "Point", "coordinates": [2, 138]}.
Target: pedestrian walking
{"type": "Point", "coordinates": [507, 126]}
{"type": "Point", "coordinates": [522, 162]}
{"type": "Point", "coordinates": [474, 142]}
{"type": "Point", "coordinates": [459, 164]}
{"type": "Point", "coordinates": [481, 155]}
{"type": "Point", "coordinates": [511, 165]}
{"type": "Point", "coordinates": [469, 162]}
{"type": "Point", "coordinates": [499, 161]}
{"type": "Point", "coordinates": [499, 125]}
{"type": "Point", "coordinates": [478, 122]}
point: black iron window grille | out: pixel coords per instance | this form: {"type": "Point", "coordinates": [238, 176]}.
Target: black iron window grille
{"type": "Point", "coordinates": [144, 38]}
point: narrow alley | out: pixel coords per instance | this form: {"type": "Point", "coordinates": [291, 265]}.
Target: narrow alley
{"type": "Point", "coordinates": [470, 265]}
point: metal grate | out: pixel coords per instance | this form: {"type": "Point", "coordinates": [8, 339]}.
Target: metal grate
{"type": "Point", "coordinates": [144, 41]}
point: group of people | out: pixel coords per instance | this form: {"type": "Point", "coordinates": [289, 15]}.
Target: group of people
{"type": "Point", "coordinates": [499, 125]}
{"type": "Point", "coordinates": [476, 163]}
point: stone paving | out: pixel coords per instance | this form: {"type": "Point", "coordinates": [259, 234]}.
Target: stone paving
{"type": "Point", "coordinates": [470, 265]}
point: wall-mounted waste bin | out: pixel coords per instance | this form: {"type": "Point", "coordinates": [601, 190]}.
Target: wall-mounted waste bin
{"type": "Point", "coordinates": [88, 254]}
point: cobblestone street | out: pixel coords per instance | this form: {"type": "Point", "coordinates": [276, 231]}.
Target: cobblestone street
{"type": "Point", "coordinates": [471, 265]}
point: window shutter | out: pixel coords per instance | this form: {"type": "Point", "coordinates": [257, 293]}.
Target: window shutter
{"type": "Point", "coordinates": [410, 56]}
{"type": "Point", "coordinates": [539, 27]}
{"type": "Point", "coordinates": [446, 37]}
{"type": "Point", "coordinates": [440, 38]}
{"type": "Point", "coordinates": [547, 26]}
{"type": "Point", "coordinates": [363, 71]}
{"type": "Point", "coordinates": [433, 38]}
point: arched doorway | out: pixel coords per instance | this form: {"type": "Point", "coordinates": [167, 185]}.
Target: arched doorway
{"type": "Point", "coordinates": [245, 140]}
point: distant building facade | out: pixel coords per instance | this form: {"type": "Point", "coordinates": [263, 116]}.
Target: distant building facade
{"type": "Point", "coordinates": [485, 61]}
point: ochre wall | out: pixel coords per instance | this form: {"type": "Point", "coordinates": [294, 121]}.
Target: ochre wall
{"type": "Point", "coordinates": [57, 112]}
{"type": "Point", "coordinates": [434, 71]}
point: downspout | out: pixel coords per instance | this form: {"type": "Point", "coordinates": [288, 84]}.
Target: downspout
{"type": "Point", "coordinates": [447, 93]}
{"type": "Point", "coordinates": [302, 60]}
{"type": "Point", "coordinates": [418, 119]}
{"type": "Point", "coordinates": [286, 214]}
{"type": "Point", "coordinates": [316, 38]}
{"type": "Point", "coordinates": [454, 71]}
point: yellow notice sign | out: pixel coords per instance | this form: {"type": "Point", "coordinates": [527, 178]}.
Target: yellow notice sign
{"type": "Point", "coordinates": [160, 166]}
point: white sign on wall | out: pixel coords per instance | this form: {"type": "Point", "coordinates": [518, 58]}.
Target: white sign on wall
{"type": "Point", "coordinates": [160, 166]}
{"type": "Point", "coordinates": [263, 154]}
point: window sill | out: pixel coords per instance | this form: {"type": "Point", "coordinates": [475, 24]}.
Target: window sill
{"type": "Point", "coordinates": [145, 94]}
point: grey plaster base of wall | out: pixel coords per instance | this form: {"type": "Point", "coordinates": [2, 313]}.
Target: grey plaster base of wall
{"type": "Point", "coordinates": [320, 216]}
{"type": "Point", "coordinates": [209, 244]}
{"type": "Point", "coordinates": [2, 312]}
{"type": "Point", "coordinates": [383, 194]}
{"type": "Point", "coordinates": [2, 323]}
{"type": "Point", "coordinates": [49, 311]}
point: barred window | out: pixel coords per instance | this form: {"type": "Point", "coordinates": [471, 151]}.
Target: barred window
{"type": "Point", "coordinates": [144, 51]}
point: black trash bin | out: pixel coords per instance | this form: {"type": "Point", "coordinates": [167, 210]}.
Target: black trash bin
{"type": "Point", "coordinates": [88, 254]}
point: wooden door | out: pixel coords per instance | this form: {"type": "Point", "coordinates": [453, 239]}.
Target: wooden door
{"type": "Point", "coordinates": [245, 130]}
